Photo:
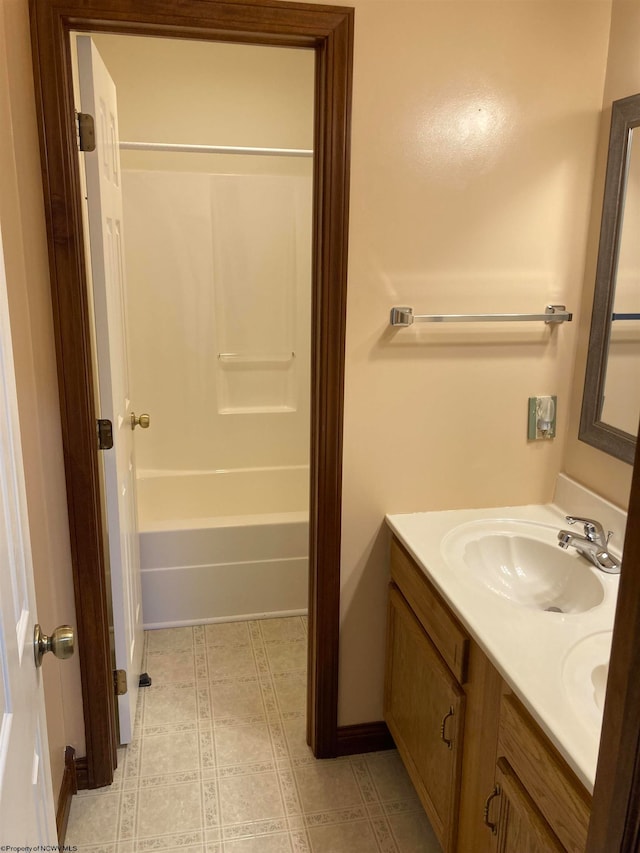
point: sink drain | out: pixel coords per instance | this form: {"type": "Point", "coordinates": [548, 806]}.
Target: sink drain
{"type": "Point", "coordinates": [553, 610]}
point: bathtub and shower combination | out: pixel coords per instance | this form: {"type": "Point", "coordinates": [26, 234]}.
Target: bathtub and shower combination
{"type": "Point", "coordinates": [223, 545]}
{"type": "Point", "coordinates": [218, 292]}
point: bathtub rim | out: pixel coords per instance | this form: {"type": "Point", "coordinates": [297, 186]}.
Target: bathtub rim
{"type": "Point", "coordinates": [158, 473]}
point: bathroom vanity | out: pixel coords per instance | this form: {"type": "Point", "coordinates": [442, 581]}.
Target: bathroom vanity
{"type": "Point", "coordinates": [495, 677]}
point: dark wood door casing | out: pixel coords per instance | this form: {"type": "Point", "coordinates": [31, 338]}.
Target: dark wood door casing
{"type": "Point", "coordinates": [328, 30]}
{"type": "Point", "coordinates": [615, 817]}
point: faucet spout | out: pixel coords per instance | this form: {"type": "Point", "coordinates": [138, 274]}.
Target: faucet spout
{"type": "Point", "coordinates": [564, 539]}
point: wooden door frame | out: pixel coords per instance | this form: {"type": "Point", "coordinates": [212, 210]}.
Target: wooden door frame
{"type": "Point", "coordinates": [328, 30]}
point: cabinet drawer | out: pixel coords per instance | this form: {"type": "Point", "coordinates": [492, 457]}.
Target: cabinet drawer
{"type": "Point", "coordinates": [564, 802]}
{"type": "Point", "coordinates": [443, 628]}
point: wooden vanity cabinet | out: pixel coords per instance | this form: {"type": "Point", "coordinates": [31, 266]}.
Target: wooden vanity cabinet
{"type": "Point", "coordinates": [424, 709]}
{"type": "Point", "coordinates": [489, 779]}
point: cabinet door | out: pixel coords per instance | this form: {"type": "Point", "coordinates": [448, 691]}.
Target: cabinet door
{"type": "Point", "coordinates": [520, 828]}
{"type": "Point", "coordinates": [424, 709]}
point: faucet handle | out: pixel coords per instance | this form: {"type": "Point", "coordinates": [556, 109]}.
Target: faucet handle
{"type": "Point", "coordinates": [593, 530]}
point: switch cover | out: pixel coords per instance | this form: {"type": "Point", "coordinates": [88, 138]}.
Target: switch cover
{"type": "Point", "coordinates": [542, 417]}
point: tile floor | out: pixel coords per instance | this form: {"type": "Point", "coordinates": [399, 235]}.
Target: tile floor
{"type": "Point", "coordinates": [219, 763]}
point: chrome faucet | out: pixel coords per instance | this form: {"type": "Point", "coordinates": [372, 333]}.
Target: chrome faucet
{"type": "Point", "coordinates": [593, 545]}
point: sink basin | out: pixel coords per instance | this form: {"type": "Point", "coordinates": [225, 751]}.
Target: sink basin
{"type": "Point", "coordinates": [599, 675]}
{"type": "Point", "coordinates": [521, 562]}
{"type": "Point", "coordinates": [584, 675]}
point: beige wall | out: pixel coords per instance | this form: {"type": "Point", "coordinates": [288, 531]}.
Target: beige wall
{"type": "Point", "coordinates": [474, 133]}
{"type": "Point", "coordinates": [23, 229]}
{"type": "Point", "coordinates": [215, 95]}
{"type": "Point", "coordinates": [597, 470]}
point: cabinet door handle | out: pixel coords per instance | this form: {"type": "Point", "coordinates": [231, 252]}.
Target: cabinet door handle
{"type": "Point", "coordinates": [492, 826]}
{"type": "Point", "coordinates": [443, 737]}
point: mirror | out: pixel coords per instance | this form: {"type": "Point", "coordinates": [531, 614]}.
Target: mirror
{"type": "Point", "coordinates": [611, 401]}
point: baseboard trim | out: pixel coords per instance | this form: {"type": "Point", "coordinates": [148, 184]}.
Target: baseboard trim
{"type": "Point", "coordinates": [214, 620]}
{"type": "Point", "coordinates": [68, 788]}
{"type": "Point", "coordinates": [82, 774]}
{"type": "Point", "coordinates": [363, 737]}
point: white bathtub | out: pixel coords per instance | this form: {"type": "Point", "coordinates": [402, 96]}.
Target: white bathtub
{"type": "Point", "coordinates": [219, 546]}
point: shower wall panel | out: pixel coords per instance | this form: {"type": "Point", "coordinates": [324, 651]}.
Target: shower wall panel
{"type": "Point", "coordinates": [256, 222]}
{"type": "Point", "coordinates": [219, 282]}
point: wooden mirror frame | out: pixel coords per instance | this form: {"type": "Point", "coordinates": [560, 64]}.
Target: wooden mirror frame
{"type": "Point", "coordinates": [328, 30]}
{"type": "Point", "coordinates": [625, 115]}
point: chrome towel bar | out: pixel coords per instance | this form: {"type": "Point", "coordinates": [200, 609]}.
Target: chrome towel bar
{"type": "Point", "coordinates": [404, 316]}
{"type": "Point", "coordinates": [633, 316]}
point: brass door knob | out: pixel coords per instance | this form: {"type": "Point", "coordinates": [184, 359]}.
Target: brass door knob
{"type": "Point", "coordinates": [61, 643]}
{"type": "Point", "coordinates": [141, 421]}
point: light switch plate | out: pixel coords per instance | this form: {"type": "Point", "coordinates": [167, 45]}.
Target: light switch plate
{"type": "Point", "coordinates": [537, 406]}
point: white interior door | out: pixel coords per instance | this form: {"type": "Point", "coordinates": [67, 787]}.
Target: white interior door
{"type": "Point", "coordinates": [104, 196]}
{"type": "Point", "coordinates": [27, 815]}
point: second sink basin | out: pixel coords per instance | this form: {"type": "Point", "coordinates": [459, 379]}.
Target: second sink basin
{"type": "Point", "coordinates": [521, 562]}
{"type": "Point", "coordinates": [584, 674]}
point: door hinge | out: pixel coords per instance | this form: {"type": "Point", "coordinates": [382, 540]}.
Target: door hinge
{"type": "Point", "coordinates": [105, 434]}
{"type": "Point", "coordinates": [120, 681]}
{"type": "Point", "coordinates": [86, 132]}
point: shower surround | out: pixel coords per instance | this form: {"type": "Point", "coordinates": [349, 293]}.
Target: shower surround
{"type": "Point", "coordinates": [218, 303]}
